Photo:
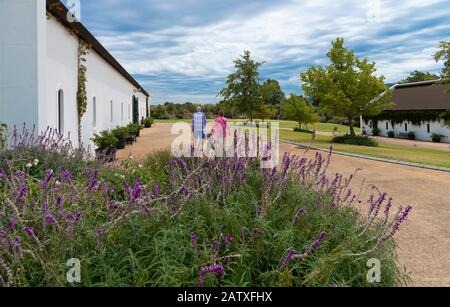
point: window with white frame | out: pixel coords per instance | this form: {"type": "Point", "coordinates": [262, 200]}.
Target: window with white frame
{"type": "Point", "coordinates": [94, 112]}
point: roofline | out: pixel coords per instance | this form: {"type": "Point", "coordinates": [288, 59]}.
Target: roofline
{"type": "Point", "coordinates": [420, 83]}
{"type": "Point", "coordinates": [59, 10]}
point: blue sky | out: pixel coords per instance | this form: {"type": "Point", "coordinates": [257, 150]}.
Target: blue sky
{"type": "Point", "coordinates": [182, 50]}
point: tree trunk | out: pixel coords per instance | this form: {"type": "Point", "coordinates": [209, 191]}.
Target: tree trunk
{"type": "Point", "coordinates": [352, 129]}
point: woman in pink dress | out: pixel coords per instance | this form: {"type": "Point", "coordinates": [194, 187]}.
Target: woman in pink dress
{"type": "Point", "coordinates": [220, 131]}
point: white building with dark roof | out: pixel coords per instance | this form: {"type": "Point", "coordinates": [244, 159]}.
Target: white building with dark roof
{"type": "Point", "coordinates": [422, 108]}
{"type": "Point", "coordinates": [39, 64]}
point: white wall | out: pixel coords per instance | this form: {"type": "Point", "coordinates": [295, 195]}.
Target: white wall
{"type": "Point", "coordinates": [103, 82]}
{"type": "Point", "coordinates": [22, 48]}
{"type": "Point", "coordinates": [420, 131]}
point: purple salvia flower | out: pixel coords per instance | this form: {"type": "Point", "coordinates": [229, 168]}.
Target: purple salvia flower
{"type": "Point", "coordinates": [50, 219]}
{"type": "Point", "coordinates": [29, 231]}
{"type": "Point", "coordinates": [298, 214]}
{"type": "Point", "coordinates": [59, 202]}
{"type": "Point", "coordinates": [216, 269]}
{"type": "Point", "coordinates": [194, 240]}
{"type": "Point", "coordinates": [387, 210]}
{"type": "Point", "coordinates": [291, 255]}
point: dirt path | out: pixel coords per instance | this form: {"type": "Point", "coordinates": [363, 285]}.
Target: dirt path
{"type": "Point", "coordinates": [424, 241]}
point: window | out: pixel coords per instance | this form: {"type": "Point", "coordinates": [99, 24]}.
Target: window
{"type": "Point", "coordinates": [387, 126]}
{"type": "Point", "coordinates": [406, 127]}
{"type": "Point", "coordinates": [94, 112]}
{"type": "Point", "coordinates": [61, 112]}
{"type": "Point", "coordinates": [112, 111]}
{"type": "Point", "coordinates": [121, 112]}
{"type": "Point", "coordinates": [428, 128]}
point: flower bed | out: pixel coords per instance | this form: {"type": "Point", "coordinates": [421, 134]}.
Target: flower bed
{"type": "Point", "coordinates": [182, 222]}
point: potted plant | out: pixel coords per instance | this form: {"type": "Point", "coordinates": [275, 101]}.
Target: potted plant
{"type": "Point", "coordinates": [148, 122]}
{"type": "Point", "coordinates": [106, 144]}
{"type": "Point", "coordinates": [437, 137]}
{"type": "Point", "coordinates": [135, 129]}
{"type": "Point", "coordinates": [121, 134]}
{"type": "Point", "coordinates": [411, 135]}
{"type": "Point", "coordinates": [391, 134]}
{"type": "Point", "coordinates": [375, 131]}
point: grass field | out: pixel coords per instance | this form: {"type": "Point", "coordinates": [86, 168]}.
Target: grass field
{"type": "Point", "coordinates": [284, 124]}
{"type": "Point", "coordinates": [386, 151]}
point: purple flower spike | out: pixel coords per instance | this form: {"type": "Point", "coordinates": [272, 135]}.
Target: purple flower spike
{"type": "Point", "coordinates": [216, 269]}
{"type": "Point", "coordinates": [29, 231]}
{"type": "Point", "coordinates": [291, 255]}
{"type": "Point", "coordinates": [194, 239]}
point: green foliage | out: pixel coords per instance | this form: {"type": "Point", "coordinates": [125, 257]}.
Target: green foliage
{"type": "Point", "coordinates": [120, 132]}
{"type": "Point", "coordinates": [148, 122]}
{"type": "Point", "coordinates": [3, 132]}
{"type": "Point", "coordinates": [411, 135]}
{"type": "Point", "coordinates": [437, 137]}
{"type": "Point", "coordinates": [391, 134]}
{"type": "Point", "coordinates": [415, 117]}
{"type": "Point", "coordinates": [355, 140]}
{"type": "Point", "coordinates": [265, 112]}
{"type": "Point", "coordinates": [347, 87]}
{"type": "Point", "coordinates": [444, 55]}
{"type": "Point", "coordinates": [271, 93]}
{"type": "Point", "coordinates": [83, 50]}
{"type": "Point", "coordinates": [172, 111]}
{"type": "Point", "coordinates": [134, 128]}
{"type": "Point", "coordinates": [105, 140]}
{"type": "Point", "coordinates": [296, 108]}
{"type": "Point", "coordinates": [242, 88]}
{"type": "Point", "coordinates": [417, 76]}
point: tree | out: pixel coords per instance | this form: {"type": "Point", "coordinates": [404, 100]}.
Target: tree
{"type": "Point", "coordinates": [296, 108]}
{"type": "Point", "coordinates": [417, 76]}
{"type": "Point", "coordinates": [242, 88]}
{"type": "Point", "coordinates": [444, 55]}
{"type": "Point", "coordinates": [347, 87]}
{"type": "Point", "coordinates": [265, 112]}
{"type": "Point", "coordinates": [272, 93]}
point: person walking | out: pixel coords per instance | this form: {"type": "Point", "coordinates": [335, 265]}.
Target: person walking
{"type": "Point", "coordinates": [220, 132]}
{"type": "Point", "coordinates": [198, 129]}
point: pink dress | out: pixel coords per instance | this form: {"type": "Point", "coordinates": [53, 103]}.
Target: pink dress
{"type": "Point", "coordinates": [221, 128]}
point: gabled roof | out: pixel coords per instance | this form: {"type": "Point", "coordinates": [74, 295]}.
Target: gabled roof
{"type": "Point", "coordinates": [426, 95]}
{"type": "Point", "coordinates": [59, 10]}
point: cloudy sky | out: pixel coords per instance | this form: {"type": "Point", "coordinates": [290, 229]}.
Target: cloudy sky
{"type": "Point", "coordinates": [182, 50]}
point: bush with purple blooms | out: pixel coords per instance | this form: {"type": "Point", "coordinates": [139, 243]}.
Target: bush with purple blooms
{"type": "Point", "coordinates": [178, 222]}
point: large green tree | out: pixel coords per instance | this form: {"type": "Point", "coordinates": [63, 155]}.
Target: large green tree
{"type": "Point", "coordinates": [242, 89]}
{"type": "Point", "coordinates": [348, 87]}
{"type": "Point", "coordinates": [271, 93]}
{"type": "Point", "coordinates": [444, 55]}
{"type": "Point", "coordinates": [417, 76]}
{"type": "Point", "coordinates": [296, 108]}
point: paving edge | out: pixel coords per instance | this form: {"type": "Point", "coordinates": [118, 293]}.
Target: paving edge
{"type": "Point", "coordinates": [410, 164]}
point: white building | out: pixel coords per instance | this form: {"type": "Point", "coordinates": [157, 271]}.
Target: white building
{"type": "Point", "coordinates": [39, 44]}
{"type": "Point", "coordinates": [423, 103]}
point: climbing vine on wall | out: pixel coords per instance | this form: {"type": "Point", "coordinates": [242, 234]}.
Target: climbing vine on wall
{"type": "Point", "coordinates": [83, 50]}
{"type": "Point", "coordinates": [2, 135]}
{"type": "Point", "coordinates": [415, 117]}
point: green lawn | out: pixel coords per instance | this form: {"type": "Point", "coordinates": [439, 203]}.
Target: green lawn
{"type": "Point", "coordinates": [284, 124]}
{"type": "Point", "coordinates": [386, 151]}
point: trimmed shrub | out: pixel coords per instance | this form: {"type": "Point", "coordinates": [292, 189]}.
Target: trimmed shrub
{"type": "Point", "coordinates": [297, 129]}
{"type": "Point", "coordinates": [437, 138]}
{"type": "Point", "coordinates": [411, 135]}
{"type": "Point", "coordinates": [355, 140]}
{"type": "Point", "coordinates": [391, 134]}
